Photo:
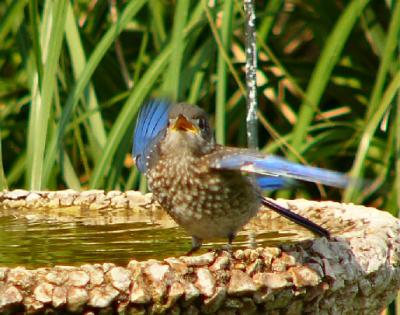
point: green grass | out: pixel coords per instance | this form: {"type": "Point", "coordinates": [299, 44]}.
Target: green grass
{"type": "Point", "coordinates": [73, 75]}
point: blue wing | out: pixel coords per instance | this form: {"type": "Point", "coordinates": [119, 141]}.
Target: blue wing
{"type": "Point", "coordinates": [276, 167]}
{"type": "Point", "coordinates": [272, 183]}
{"type": "Point", "coordinates": [151, 121]}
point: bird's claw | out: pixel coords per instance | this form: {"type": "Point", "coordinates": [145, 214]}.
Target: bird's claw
{"type": "Point", "coordinates": [149, 204]}
{"type": "Point", "coordinates": [227, 247]}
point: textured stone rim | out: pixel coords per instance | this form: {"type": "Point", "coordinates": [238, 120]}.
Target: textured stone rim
{"type": "Point", "coordinates": [357, 271]}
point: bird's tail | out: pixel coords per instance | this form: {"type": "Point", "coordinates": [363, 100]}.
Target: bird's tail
{"type": "Point", "coordinates": [296, 218]}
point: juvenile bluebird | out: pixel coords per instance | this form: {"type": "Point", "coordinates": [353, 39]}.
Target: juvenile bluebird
{"type": "Point", "coordinates": [209, 189]}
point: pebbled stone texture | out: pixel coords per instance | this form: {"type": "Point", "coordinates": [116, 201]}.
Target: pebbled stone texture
{"type": "Point", "coordinates": [357, 271]}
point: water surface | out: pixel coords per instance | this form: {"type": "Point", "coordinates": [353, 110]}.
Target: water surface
{"type": "Point", "coordinates": [40, 239]}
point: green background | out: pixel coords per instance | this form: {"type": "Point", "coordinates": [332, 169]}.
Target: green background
{"type": "Point", "coordinates": [73, 75]}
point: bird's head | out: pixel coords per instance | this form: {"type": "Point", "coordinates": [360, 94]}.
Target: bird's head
{"type": "Point", "coordinates": [188, 129]}
{"type": "Point", "coordinates": [166, 128]}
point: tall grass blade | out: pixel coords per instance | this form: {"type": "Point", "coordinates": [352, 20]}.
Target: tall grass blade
{"type": "Point", "coordinates": [35, 34]}
{"type": "Point", "coordinates": [322, 73]}
{"type": "Point", "coordinates": [226, 34]}
{"type": "Point", "coordinates": [172, 79]}
{"type": "Point", "coordinates": [69, 174]}
{"type": "Point", "coordinates": [267, 22]}
{"type": "Point", "coordinates": [127, 114]}
{"type": "Point", "coordinates": [217, 38]}
{"type": "Point", "coordinates": [374, 31]}
{"type": "Point", "coordinates": [370, 128]}
{"type": "Point", "coordinates": [17, 170]}
{"type": "Point", "coordinates": [78, 65]}
{"type": "Point", "coordinates": [13, 14]}
{"type": "Point", "coordinates": [157, 12]}
{"type": "Point", "coordinates": [80, 85]}
{"type": "Point", "coordinates": [51, 39]}
{"type": "Point", "coordinates": [389, 51]}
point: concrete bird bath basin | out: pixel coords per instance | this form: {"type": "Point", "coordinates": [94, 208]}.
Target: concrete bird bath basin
{"type": "Point", "coordinates": [109, 252]}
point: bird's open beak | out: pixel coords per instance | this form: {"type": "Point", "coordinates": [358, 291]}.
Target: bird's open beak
{"type": "Point", "coordinates": [182, 124]}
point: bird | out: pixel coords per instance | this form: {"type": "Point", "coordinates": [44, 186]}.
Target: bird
{"type": "Point", "coordinates": [209, 189]}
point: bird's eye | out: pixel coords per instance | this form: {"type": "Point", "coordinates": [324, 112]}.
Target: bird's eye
{"type": "Point", "coordinates": [202, 123]}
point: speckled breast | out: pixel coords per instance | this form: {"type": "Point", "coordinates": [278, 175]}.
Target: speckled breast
{"type": "Point", "coordinates": [206, 202]}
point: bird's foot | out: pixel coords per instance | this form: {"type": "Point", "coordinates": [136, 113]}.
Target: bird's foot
{"type": "Point", "coordinates": [150, 204]}
{"type": "Point", "coordinates": [196, 244]}
{"type": "Point", "coordinates": [227, 247]}
{"type": "Point", "coordinates": [191, 251]}
{"type": "Point", "coordinates": [252, 240]}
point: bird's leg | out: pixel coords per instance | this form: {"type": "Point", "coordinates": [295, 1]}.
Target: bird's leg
{"type": "Point", "coordinates": [296, 218]}
{"type": "Point", "coordinates": [150, 204]}
{"type": "Point", "coordinates": [228, 247]}
{"type": "Point", "coordinates": [252, 240]}
{"type": "Point", "coordinates": [196, 244]}
{"type": "Point", "coordinates": [231, 237]}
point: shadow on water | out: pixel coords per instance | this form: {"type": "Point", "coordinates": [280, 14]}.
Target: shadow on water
{"type": "Point", "coordinates": [34, 241]}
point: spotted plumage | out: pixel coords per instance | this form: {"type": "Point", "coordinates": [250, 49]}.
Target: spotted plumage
{"type": "Point", "coordinates": [201, 184]}
{"type": "Point", "coordinates": [205, 202]}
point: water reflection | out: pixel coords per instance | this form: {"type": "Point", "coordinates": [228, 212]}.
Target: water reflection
{"type": "Point", "coordinates": [36, 239]}
{"type": "Point", "coordinates": [48, 243]}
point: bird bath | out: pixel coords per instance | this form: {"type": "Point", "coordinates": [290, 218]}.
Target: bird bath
{"type": "Point", "coordinates": [116, 253]}
{"type": "Point", "coordinates": [48, 233]}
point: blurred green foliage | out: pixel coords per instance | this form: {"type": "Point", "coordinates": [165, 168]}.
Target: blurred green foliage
{"type": "Point", "coordinates": [74, 73]}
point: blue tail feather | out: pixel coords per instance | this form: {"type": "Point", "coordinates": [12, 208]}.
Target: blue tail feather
{"type": "Point", "coordinates": [151, 120]}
